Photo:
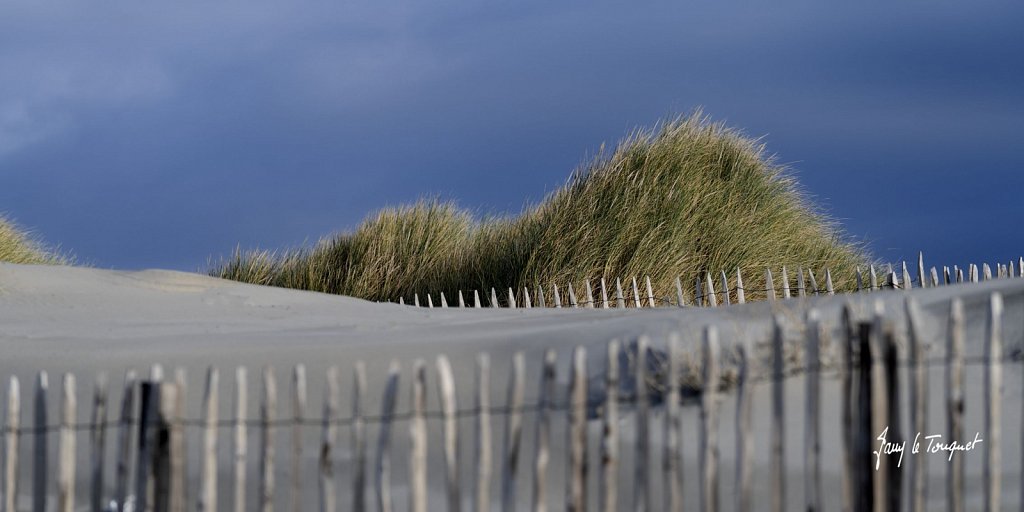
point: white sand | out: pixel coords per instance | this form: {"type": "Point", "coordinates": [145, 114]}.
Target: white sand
{"type": "Point", "coordinates": [86, 320]}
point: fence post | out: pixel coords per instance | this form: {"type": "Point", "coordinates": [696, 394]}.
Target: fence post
{"type": "Point", "coordinates": [744, 435]}
{"type": "Point", "coordinates": [920, 269]}
{"type": "Point", "coordinates": [955, 400]}
{"type": "Point", "coordinates": [540, 297]}
{"type": "Point", "coordinates": [636, 294]}
{"type": "Point", "coordinates": [572, 297]}
{"type": "Point", "coordinates": [513, 433]}
{"type": "Point", "coordinates": [812, 450]}
{"type": "Point", "coordinates": [11, 448]}
{"type": "Point", "coordinates": [769, 284]}
{"type": "Point", "coordinates": [986, 272]}
{"type": "Point", "coordinates": [712, 298]}
{"type": "Point", "coordinates": [741, 294]}
{"type": "Point", "coordinates": [145, 488]}
{"type": "Point", "coordinates": [383, 471]}
{"type": "Point", "coordinates": [476, 299]}
{"type": "Point", "coordinates": [359, 435]}
{"type": "Point", "coordinates": [935, 277]}
{"type": "Point", "coordinates": [992, 461]}
{"type": "Point", "coordinates": [671, 458]}
{"type": "Point", "coordinates": [590, 295]}
{"type": "Point", "coordinates": [879, 403]}
{"type": "Point", "coordinates": [430, 301]}
{"type": "Point", "coordinates": [726, 299]}
{"type": "Point", "coordinates": [39, 470]}
{"type": "Point", "coordinates": [482, 455]}
{"type": "Point", "coordinates": [894, 482]}
{"type": "Point", "coordinates": [176, 428]}
{"type": "Point", "coordinates": [874, 278]}
{"type": "Point", "coordinates": [813, 281]}
{"type": "Point", "coordinates": [268, 417]}
{"type": "Point", "coordinates": [418, 439]}
{"type": "Point", "coordinates": [907, 283]}
{"type": "Point", "coordinates": [709, 422]}
{"type": "Point", "coordinates": [558, 299]}
{"type": "Point", "coordinates": [610, 432]}
{"type": "Point", "coordinates": [604, 294]}
{"type": "Point", "coordinates": [829, 289]}
{"type": "Point", "coordinates": [778, 418]}
{"type": "Point", "coordinates": [208, 478]}
{"type": "Point", "coordinates": [462, 300]}
{"type": "Point", "coordinates": [863, 439]}
{"type": "Point", "coordinates": [494, 298]}
{"type": "Point", "coordinates": [801, 289]}
{"type": "Point", "coordinates": [620, 301]}
{"type": "Point", "coordinates": [444, 301]}
{"type": "Point", "coordinates": [511, 299]}
{"type": "Point", "coordinates": [785, 284]}
{"type": "Point", "coordinates": [547, 395]}
{"type": "Point", "coordinates": [240, 446]}
{"type": "Point", "coordinates": [98, 431]}
{"type": "Point", "coordinates": [918, 404]}
{"type": "Point", "coordinates": [576, 492]}
{"type": "Point", "coordinates": [329, 436]}
{"type": "Point", "coordinates": [526, 298]}
{"type": "Point", "coordinates": [681, 301]}
{"type": "Point", "coordinates": [449, 407]}
{"type": "Point", "coordinates": [66, 468]}
{"type": "Point", "coordinates": [650, 292]}
{"type": "Point", "coordinates": [298, 417]}
{"type": "Point", "coordinates": [846, 377]}
{"type": "Point", "coordinates": [641, 488]}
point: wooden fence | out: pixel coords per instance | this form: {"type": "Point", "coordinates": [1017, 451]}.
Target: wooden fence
{"type": "Point", "coordinates": [704, 291]}
{"type": "Point", "coordinates": [150, 461]}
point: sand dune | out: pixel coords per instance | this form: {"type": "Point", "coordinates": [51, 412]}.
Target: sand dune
{"type": "Point", "coordinates": [87, 320]}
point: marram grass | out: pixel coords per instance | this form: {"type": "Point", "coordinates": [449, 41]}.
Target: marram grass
{"type": "Point", "coordinates": [16, 246]}
{"type": "Point", "coordinates": [684, 198]}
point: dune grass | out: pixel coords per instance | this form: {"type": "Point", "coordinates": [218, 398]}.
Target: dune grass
{"type": "Point", "coordinates": [17, 246]}
{"type": "Point", "coordinates": [683, 198]}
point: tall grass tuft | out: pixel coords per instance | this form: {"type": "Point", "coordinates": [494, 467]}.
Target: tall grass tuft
{"type": "Point", "coordinates": [686, 197]}
{"type": "Point", "coordinates": [17, 246]}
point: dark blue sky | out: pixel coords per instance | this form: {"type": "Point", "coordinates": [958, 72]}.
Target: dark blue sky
{"type": "Point", "coordinates": [159, 135]}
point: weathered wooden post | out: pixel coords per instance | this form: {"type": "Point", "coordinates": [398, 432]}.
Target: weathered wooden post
{"type": "Point", "coordinates": [992, 461]}
{"type": "Point", "coordinates": [66, 463]}
{"type": "Point", "coordinates": [812, 448]}
{"type": "Point", "coordinates": [12, 443]}
{"type": "Point", "coordinates": [40, 472]}
{"type": "Point", "coordinates": [542, 456]}
{"type": "Point", "coordinates": [513, 432]}
{"type": "Point", "coordinates": [672, 457]}
{"type": "Point", "coordinates": [610, 432]}
{"type": "Point", "coordinates": [449, 408]}
{"type": "Point", "coordinates": [778, 417]}
{"type": "Point", "coordinates": [744, 435]}
{"type": "Point", "coordinates": [709, 422]}
{"type": "Point", "coordinates": [240, 438]}
{"type": "Point", "coordinates": [418, 439]}
{"type": "Point", "coordinates": [383, 467]}
{"type": "Point", "coordinates": [329, 436]}
{"type": "Point", "coordinates": [98, 433]}
{"type": "Point", "coordinates": [641, 482]}
{"type": "Point", "coordinates": [576, 488]}
{"type": "Point", "coordinates": [482, 439]}
{"type": "Point", "coordinates": [955, 402]}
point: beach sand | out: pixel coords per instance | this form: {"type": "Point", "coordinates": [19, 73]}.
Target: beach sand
{"type": "Point", "coordinates": [82, 320]}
